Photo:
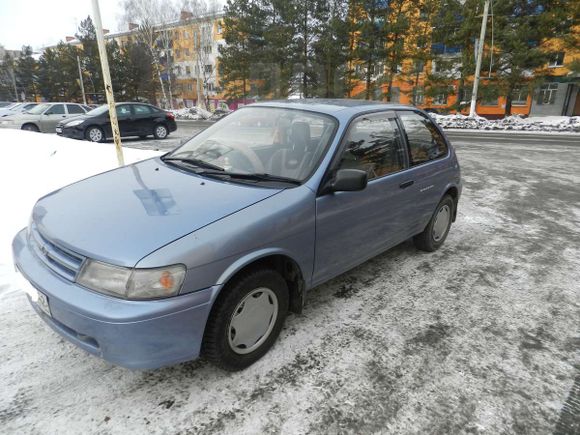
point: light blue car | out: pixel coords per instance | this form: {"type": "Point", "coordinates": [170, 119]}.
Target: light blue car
{"type": "Point", "coordinates": [203, 251]}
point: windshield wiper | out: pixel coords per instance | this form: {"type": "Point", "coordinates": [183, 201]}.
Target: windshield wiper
{"type": "Point", "coordinates": [252, 177]}
{"type": "Point", "coordinates": [195, 162]}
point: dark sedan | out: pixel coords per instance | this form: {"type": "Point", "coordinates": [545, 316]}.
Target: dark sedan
{"type": "Point", "coordinates": [135, 119]}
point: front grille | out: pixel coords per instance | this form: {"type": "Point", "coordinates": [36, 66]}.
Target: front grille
{"type": "Point", "coordinates": [61, 261]}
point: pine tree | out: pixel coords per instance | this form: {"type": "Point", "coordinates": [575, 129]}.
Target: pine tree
{"type": "Point", "coordinates": [90, 61]}
{"type": "Point", "coordinates": [26, 73]}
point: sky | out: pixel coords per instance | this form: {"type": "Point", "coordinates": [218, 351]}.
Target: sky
{"type": "Point", "coordinates": [45, 22]}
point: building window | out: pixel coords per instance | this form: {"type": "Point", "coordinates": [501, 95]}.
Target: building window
{"type": "Point", "coordinates": [186, 51]}
{"type": "Point", "coordinates": [188, 70]}
{"type": "Point", "coordinates": [418, 95]}
{"type": "Point", "coordinates": [556, 59]}
{"type": "Point", "coordinates": [190, 87]}
{"type": "Point", "coordinates": [547, 94]}
{"type": "Point", "coordinates": [207, 49]}
{"type": "Point", "coordinates": [440, 99]}
{"type": "Point", "coordinates": [520, 96]}
{"type": "Point", "coordinates": [219, 28]}
{"type": "Point", "coordinates": [177, 52]}
{"type": "Point", "coordinates": [418, 66]}
{"type": "Point", "coordinates": [185, 34]}
{"type": "Point", "coordinates": [208, 69]}
{"type": "Point", "coordinates": [489, 96]}
{"type": "Point", "coordinates": [378, 69]}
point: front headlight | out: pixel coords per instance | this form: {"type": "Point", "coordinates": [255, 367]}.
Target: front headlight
{"type": "Point", "coordinates": [74, 123]}
{"type": "Point", "coordinates": [129, 283]}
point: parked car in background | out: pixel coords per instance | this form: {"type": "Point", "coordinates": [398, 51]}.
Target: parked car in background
{"type": "Point", "coordinates": [43, 117]}
{"type": "Point", "coordinates": [16, 108]}
{"type": "Point", "coordinates": [204, 250]}
{"type": "Point", "coordinates": [6, 103]}
{"type": "Point", "coordinates": [135, 119]}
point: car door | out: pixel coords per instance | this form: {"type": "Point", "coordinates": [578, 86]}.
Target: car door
{"type": "Point", "coordinates": [52, 116]}
{"type": "Point", "coordinates": [124, 118]}
{"type": "Point", "coordinates": [351, 227]}
{"type": "Point", "coordinates": [74, 110]}
{"type": "Point", "coordinates": [143, 119]}
{"type": "Point", "coordinates": [429, 170]}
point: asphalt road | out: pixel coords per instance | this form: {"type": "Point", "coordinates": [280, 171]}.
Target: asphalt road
{"type": "Point", "coordinates": [480, 337]}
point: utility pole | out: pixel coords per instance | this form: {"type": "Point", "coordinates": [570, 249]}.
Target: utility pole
{"type": "Point", "coordinates": [14, 83]}
{"type": "Point", "coordinates": [82, 83]}
{"type": "Point", "coordinates": [107, 81]}
{"type": "Point", "coordinates": [479, 59]}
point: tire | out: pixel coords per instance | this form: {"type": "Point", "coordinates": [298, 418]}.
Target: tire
{"type": "Point", "coordinates": [253, 293]}
{"type": "Point", "coordinates": [95, 134]}
{"type": "Point", "coordinates": [434, 235]}
{"type": "Point", "coordinates": [30, 127]}
{"type": "Point", "coordinates": [160, 131]}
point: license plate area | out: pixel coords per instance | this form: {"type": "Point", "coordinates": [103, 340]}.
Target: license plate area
{"type": "Point", "coordinates": [38, 298]}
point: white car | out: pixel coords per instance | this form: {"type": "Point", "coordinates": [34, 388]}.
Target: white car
{"type": "Point", "coordinates": [43, 117]}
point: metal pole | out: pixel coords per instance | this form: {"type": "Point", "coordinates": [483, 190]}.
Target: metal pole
{"type": "Point", "coordinates": [81, 78]}
{"type": "Point", "coordinates": [14, 84]}
{"type": "Point", "coordinates": [479, 59]}
{"type": "Point", "coordinates": [107, 80]}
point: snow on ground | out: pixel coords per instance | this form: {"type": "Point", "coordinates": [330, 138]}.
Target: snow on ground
{"type": "Point", "coordinates": [34, 164]}
{"type": "Point", "coordinates": [478, 337]}
{"type": "Point", "coordinates": [192, 113]}
{"type": "Point", "coordinates": [514, 122]}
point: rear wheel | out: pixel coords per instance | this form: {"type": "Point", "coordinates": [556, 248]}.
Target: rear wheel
{"type": "Point", "coordinates": [30, 127]}
{"type": "Point", "coordinates": [437, 230]}
{"type": "Point", "coordinates": [246, 320]}
{"type": "Point", "coordinates": [95, 134]}
{"type": "Point", "coordinates": [160, 131]}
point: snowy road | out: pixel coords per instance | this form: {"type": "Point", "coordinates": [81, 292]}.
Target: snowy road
{"type": "Point", "coordinates": [479, 337]}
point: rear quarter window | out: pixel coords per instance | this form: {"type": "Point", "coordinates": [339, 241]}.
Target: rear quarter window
{"type": "Point", "coordinates": [425, 141]}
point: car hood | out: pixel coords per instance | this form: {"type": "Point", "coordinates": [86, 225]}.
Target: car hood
{"type": "Point", "coordinates": [123, 215]}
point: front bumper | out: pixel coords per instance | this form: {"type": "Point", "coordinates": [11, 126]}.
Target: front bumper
{"type": "Point", "coordinates": [132, 334]}
{"type": "Point", "coordinates": [72, 132]}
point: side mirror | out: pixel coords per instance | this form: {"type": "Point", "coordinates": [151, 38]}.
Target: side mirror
{"type": "Point", "coordinates": [348, 180]}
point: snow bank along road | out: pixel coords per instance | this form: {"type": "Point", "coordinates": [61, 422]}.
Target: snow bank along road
{"type": "Point", "coordinates": [479, 337]}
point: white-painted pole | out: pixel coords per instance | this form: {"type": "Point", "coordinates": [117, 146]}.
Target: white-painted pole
{"type": "Point", "coordinates": [81, 79]}
{"type": "Point", "coordinates": [480, 46]}
{"type": "Point", "coordinates": [107, 81]}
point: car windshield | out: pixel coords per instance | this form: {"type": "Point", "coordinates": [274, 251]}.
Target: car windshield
{"type": "Point", "coordinates": [262, 140]}
{"type": "Point", "coordinates": [38, 109]}
{"type": "Point", "coordinates": [98, 111]}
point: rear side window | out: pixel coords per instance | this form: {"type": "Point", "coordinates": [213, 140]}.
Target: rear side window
{"type": "Point", "coordinates": [141, 110]}
{"type": "Point", "coordinates": [73, 108]}
{"type": "Point", "coordinates": [373, 144]}
{"type": "Point", "coordinates": [425, 141]}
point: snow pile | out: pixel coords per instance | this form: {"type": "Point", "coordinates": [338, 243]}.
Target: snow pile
{"type": "Point", "coordinates": [34, 164]}
{"type": "Point", "coordinates": [514, 122]}
{"type": "Point", "coordinates": [193, 113]}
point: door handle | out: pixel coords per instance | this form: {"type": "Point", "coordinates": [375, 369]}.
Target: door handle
{"type": "Point", "coordinates": [406, 184]}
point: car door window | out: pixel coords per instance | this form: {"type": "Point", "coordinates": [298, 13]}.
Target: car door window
{"type": "Point", "coordinates": [374, 145]}
{"type": "Point", "coordinates": [73, 109]}
{"type": "Point", "coordinates": [141, 110]}
{"type": "Point", "coordinates": [123, 111]}
{"type": "Point", "coordinates": [57, 109]}
{"type": "Point", "coordinates": [425, 141]}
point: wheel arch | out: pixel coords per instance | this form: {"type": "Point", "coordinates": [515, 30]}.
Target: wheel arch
{"type": "Point", "coordinates": [277, 260]}
{"type": "Point", "coordinates": [453, 191]}
{"type": "Point", "coordinates": [30, 123]}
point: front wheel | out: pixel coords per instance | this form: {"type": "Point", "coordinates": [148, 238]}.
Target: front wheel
{"type": "Point", "coordinates": [30, 127]}
{"type": "Point", "coordinates": [95, 134]}
{"type": "Point", "coordinates": [437, 230]}
{"type": "Point", "coordinates": [160, 131]}
{"type": "Point", "coordinates": [246, 320]}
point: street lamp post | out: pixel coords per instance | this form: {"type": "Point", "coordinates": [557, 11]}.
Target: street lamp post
{"type": "Point", "coordinates": [479, 59]}
{"type": "Point", "coordinates": [81, 79]}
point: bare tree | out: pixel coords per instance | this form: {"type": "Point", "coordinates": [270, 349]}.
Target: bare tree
{"type": "Point", "coordinates": [154, 32]}
{"type": "Point", "coordinates": [202, 16]}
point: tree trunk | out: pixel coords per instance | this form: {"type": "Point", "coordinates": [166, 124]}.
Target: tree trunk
{"type": "Point", "coordinates": [508, 103]}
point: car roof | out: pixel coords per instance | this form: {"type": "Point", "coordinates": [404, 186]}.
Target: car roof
{"type": "Point", "coordinates": [333, 106]}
